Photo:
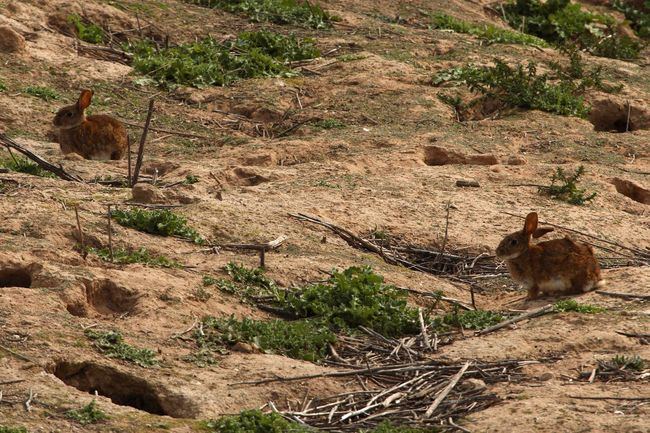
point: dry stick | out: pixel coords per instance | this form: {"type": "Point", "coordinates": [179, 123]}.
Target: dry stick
{"type": "Point", "coordinates": [623, 295]}
{"type": "Point", "coordinates": [143, 139]}
{"type": "Point", "coordinates": [10, 382]}
{"type": "Point", "coordinates": [423, 329]}
{"type": "Point", "coordinates": [128, 152]}
{"type": "Point", "coordinates": [528, 315]}
{"type": "Point", "coordinates": [169, 131]}
{"type": "Point", "coordinates": [640, 252]}
{"type": "Point", "coordinates": [59, 171]}
{"type": "Point", "coordinates": [629, 111]}
{"type": "Point", "coordinates": [84, 253]}
{"type": "Point", "coordinates": [632, 334]}
{"type": "Point", "coordinates": [110, 235]}
{"type": "Point", "coordinates": [17, 355]}
{"type": "Point", "coordinates": [446, 391]}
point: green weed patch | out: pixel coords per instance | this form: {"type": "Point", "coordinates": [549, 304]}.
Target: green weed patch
{"type": "Point", "coordinates": [141, 255]}
{"type": "Point", "coordinates": [88, 414]}
{"type": "Point", "coordinates": [210, 62]}
{"type": "Point", "coordinates": [158, 222]}
{"type": "Point", "coordinates": [566, 305]}
{"type": "Point", "coordinates": [565, 187]}
{"type": "Point", "coordinates": [87, 32]}
{"type": "Point", "coordinates": [24, 165]}
{"type": "Point", "coordinates": [111, 344]}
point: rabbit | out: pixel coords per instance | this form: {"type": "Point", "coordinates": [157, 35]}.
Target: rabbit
{"type": "Point", "coordinates": [555, 267]}
{"type": "Point", "coordinates": [93, 137]}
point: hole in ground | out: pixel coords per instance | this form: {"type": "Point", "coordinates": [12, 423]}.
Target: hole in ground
{"type": "Point", "coordinates": [107, 297]}
{"type": "Point", "coordinates": [608, 115]}
{"type": "Point", "coordinates": [15, 277]}
{"type": "Point", "coordinates": [124, 389]}
{"type": "Point", "coordinates": [632, 190]}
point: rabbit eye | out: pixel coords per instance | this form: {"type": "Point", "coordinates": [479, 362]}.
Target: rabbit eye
{"type": "Point", "coordinates": [69, 114]}
{"type": "Point", "coordinates": [513, 241]}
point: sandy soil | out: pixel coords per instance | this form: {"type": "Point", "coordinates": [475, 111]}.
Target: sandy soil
{"type": "Point", "coordinates": [368, 175]}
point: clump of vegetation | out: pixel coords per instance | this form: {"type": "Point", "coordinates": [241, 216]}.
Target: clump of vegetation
{"type": "Point", "coordinates": [158, 222]}
{"type": "Point", "coordinates": [210, 62]}
{"type": "Point", "coordinates": [141, 255]}
{"type": "Point", "coordinates": [352, 298]}
{"type": "Point", "coordinates": [3, 86]}
{"type": "Point", "coordinates": [328, 124]}
{"type": "Point", "coordinates": [201, 294]}
{"type": "Point", "coordinates": [87, 32]}
{"type": "Point", "coordinates": [639, 18]}
{"type": "Point", "coordinates": [625, 362]}
{"type": "Point", "coordinates": [45, 93]}
{"type": "Point", "coordinates": [24, 165]}
{"type": "Point", "coordinates": [300, 339]}
{"type": "Point", "coordinates": [6, 429]}
{"type": "Point", "coordinates": [565, 187]}
{"type": "Point", "coordinates": [563, 22]}
{"type": "Point", "coordinates": [474, 319]}
{"type": "Point", "coordinates": [559, 92]}
{"type": "Point", "coordinates": [88, 414]}
{"type": "Point", "coordinates": [255, 421]}
{"type": "Point", "coordinates": [111, 344]}
{"type": "Point", "coordinates": [191, 179]}
{"type": "Point", "coordinates": [565, 305]}
{"type": "Point", "coordinates": [486, 32]}
{"type": "Point", "coordinates": [297, 12]}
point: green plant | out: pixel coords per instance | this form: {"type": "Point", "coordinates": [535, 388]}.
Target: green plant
{"type": "Point", "coordinates": [634, 362]}
{"type": "Point", "coordinates": [191, 179]}
{"type": "Point", "coordinates": [45, 93]}
{"type": "Point", "coordinates": [88, 414]}
{"type": "Point", "coordinates": [111, 344]}
{"type": "Point", "coordinates": [24, 165]}
{"type": "Point", "coordinates": [474, 319]}
{"type": "Point", "coordinates": [352, 298]}
{"type": "Point", "coordinates": [3, 86]}
{"type": "Point", "coordinates": [249, 276]}
{"type": "Point", "coordinates": [201, 294]}
{"type": "Point", "coordinates": [254, 421]}
{"type": "Point", "coordinates": [350, 57]}
{"type": "Point", "coordinates": [210, 62]}
{"type": "Point", "coordinates": [158, 222]}
{"type": "Point", "coordinates": [566, 305]}
{"type": "Point", "coordinates": [639, 18]}
{"type": "Point", "coordinates": [487, 32]}
{"type": "Point", "coordinates": [577, 73]}
{"type": "Point", "coordinates": [87, 32]}
{"type": "Point", "coordinates": [563, 22]}
{"type": "Point", "coordinates": [300, 339]}
{"type": "Point", "coordinates": [328, 124]}
{"type": "Point", "coordinates": [520, 86]}
{"type": "Point", "coordinates": [141, 255]}
{"type": "Point", "coordinates": [565, 187]}
{"type": "Point", "coordinates": [388, 427]}
{"type": "Point", "coordinates": [5, 429]}
{"type": "Point", "coordinates": [297, 12]}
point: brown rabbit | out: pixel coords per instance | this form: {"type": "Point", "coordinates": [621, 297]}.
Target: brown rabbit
{"type": "Point", "coordinates": [556, 267]}
{"type": "Point", "coordinates": [93, 137]}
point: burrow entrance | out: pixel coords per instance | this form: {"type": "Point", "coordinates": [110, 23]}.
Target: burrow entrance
{"type": "Point", "coordinates": [15, 277]}
{"type": "Point", "coordinates": [632, 190]}
{"type": "Point", "coordinates": [107, 297]}
{"type": "Point", "coordinates": [608, 115]}
{"type": "Point", "coordinates": [124, 389]}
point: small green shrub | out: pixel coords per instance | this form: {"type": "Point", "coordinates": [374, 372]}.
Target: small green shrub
{"type": "Point", "coordinates": [520, 86]}
{"type": "Point", "coordinates": [210, 62]}
{"type": "Point", "coordinates": [566, 305]}
{"type": "Point", "coordinates": [3, 86]}
{"type": "Point", "coordinates": [254, 421]}
{"type": "Point", "coordinates": [87, 32]}
{"type": "Point", "coordinates": [6, 429]}
{"type": "Point", "coordinates": [141, 255]}
{"type": "Point", "coordinates": [45, 93]}
{"type": "Point", "coordinates": [388, 427]}
{"type": "Point", "coordinates": [297, 12]}
{"type": "Point", "coordinates": [352, 298]}
{"type": "Point", "coordinates": [88, 414]}
{"type": "Point", "coordinates": [634, 362]}
{"type": "Point", "coordinates": [24, 165]}
{"type": "Point", "coordinates": [201, 294]}
{"type": "Point", "coordinates": [191, 179]}
{"type": "Point", "coordinates": [563, 22]}
{"type": "Point", "coordinates": [475, 319]}
{"type": "Point", "coordinates": [487, 32]}
{"type": "Point", "coordinates": [329, 124]}
{"type": "Point", "coordinates": [111, 344]}
{"type": "Point", "coordinates": [249, 276]}
{"type": "Point", "coordinates": [565, 187]}
{"type": "Point", "coordinates": [639, 18]}
{"type": "Point", "coordinates": [301, 339]}
{"type": "Point", "coordinates": [158, 222]}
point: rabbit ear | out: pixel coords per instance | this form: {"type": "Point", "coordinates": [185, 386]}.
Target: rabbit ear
{"type": "Point", "coordinates": [531, 223]}
{"type": "Point", "coordinates": [538, 233]}
{"type": "Point", "coordinates": [84, 99]}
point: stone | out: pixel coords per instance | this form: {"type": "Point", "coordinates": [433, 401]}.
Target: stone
{"type": "Point", "coordinates": [516, 160]}
{"type": "Point", "coordinates": [146, 193]}
{"type": "Point", "coordinates": [472, 384]}
{"type": "Point", "coordinates": [10, 40]}
{"type": "Point", "coordinates": [438, 155]}
{"type": "Point", "coordinates": [468, 183]}
{"type": "Point", "coordinates": [546, 376]}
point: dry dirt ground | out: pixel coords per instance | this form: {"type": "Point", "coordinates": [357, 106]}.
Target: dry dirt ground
{"type": "Point", "coordinates": [368, 175]}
